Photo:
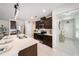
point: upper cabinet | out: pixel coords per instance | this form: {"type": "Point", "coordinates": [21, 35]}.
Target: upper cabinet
{"type": "Point", "coordinates": [48, 23]}
{"type": "Point", "coordinates": [37, 24]}
{"type": "Point", "coordinates": [44, 23]}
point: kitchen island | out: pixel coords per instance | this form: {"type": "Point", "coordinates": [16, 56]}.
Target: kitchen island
{"type": "Point", "coordinates": [18, 45]}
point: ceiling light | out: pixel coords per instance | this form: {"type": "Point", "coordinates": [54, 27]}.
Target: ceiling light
{"type": "Point", "coordinates": [32, 17]}
{"type": "Point", "coordinates": [44, 10]}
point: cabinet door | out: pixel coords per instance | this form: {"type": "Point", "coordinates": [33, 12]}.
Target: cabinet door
{"type": "Point", "coordinates": [48, 23]}
{"type": "Point", "coordinates": [35, 36]}
{"type": "Point", "coordinates": [47, 40]}
{"type": "Point", "coordinates": [30, 51]}
{"type": "Point", "coordinates": [37, 24]}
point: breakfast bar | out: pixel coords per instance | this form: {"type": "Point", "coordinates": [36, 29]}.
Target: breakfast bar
{"type": "Point", "coordinates": [22, 47]}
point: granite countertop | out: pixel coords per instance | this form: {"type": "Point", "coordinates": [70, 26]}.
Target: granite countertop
{"type": "Point", "coordinates": [18, 44]}
{"type": "Point", "coordinates": [48, 34]}
{"type": "Point", "coordinates": [44, 34]}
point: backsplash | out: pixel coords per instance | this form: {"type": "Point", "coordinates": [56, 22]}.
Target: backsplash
{"type": "Point", "coordinates": [49, 31]}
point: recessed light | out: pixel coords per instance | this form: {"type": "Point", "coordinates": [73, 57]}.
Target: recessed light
{"type": "Point", "coordinates": [44, 10]}
{"type": "Point", "coordinates": [32, 17]}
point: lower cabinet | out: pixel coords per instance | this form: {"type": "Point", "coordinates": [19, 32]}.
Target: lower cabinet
{"type": "Point", "coordinates": [30, 51]}
{"type": "Point", "coordinates": [36, 36]}
{"type": "Point", "coordinates": [47, 40]}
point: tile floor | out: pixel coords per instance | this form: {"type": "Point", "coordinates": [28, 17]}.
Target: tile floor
{"type": "Point", "coordinates": [67, 48]}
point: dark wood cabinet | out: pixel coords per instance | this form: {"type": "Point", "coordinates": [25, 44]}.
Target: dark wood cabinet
{"type": "Point", "coordinates": [49, 23]}
{"type": "Point", "coordinates": [46, 39]}
{"type": "Point", "coordinates": [37, 24]}
{"type": "Point", "coordinates": [30, 51]}
{"type": "Point", "coordinates": [46, 23]}
{"type": "Point", "coordinates": [36, 36]}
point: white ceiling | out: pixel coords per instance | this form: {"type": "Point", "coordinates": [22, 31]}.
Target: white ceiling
{"type": "Point", "coordinates": [28, 9]}
{"type": "Point", "coordinates": [6, 11]}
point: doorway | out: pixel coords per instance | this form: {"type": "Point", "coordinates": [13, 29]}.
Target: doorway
{"type": "Point", "coordinates": [66, 29]}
